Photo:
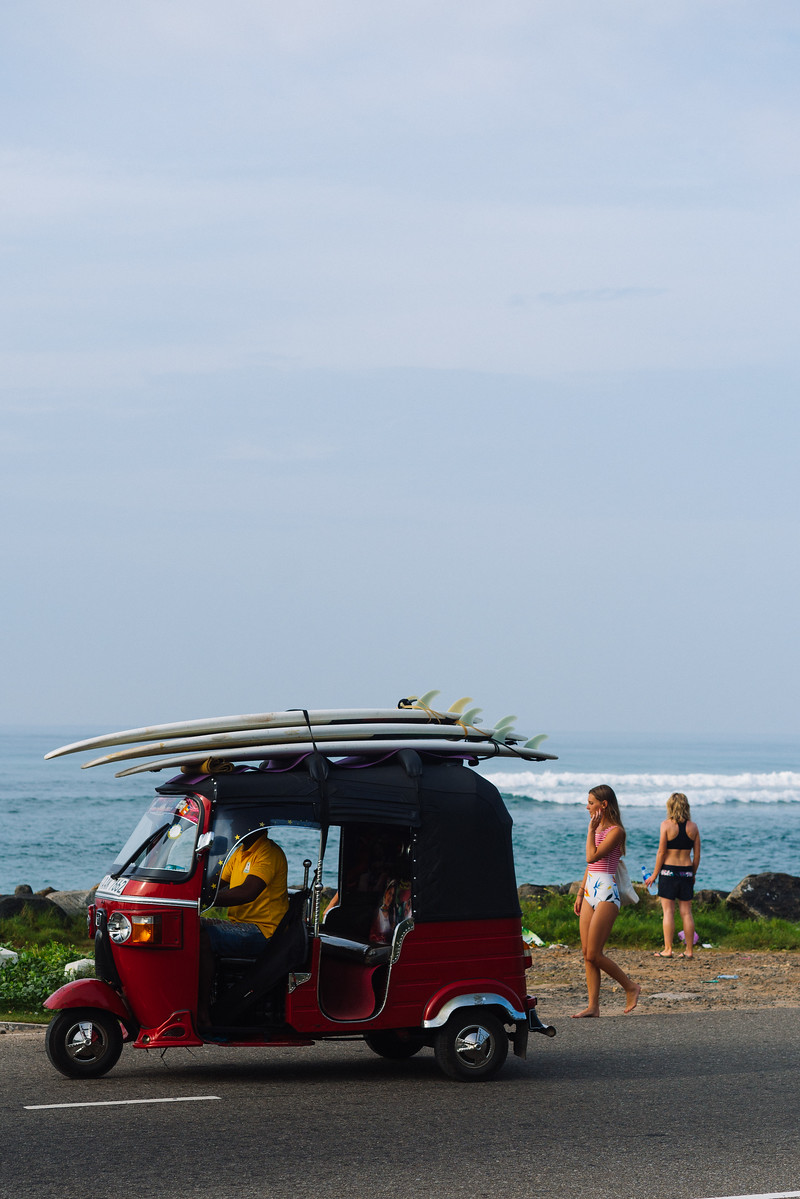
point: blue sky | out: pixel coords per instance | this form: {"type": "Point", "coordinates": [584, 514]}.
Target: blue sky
{"type": "Point", "coordinates": [354, 350]}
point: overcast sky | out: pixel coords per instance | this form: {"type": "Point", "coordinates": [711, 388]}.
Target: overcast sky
{"type": "Point", "coordinates": [350, 350]}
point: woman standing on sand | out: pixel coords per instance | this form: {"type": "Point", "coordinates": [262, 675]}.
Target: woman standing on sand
{"type": "Point", "coordinates": [597, 902]}
{"type": "Point", "coordinates": [676, 867]}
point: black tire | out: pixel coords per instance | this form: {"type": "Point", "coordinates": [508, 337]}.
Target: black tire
{"type": "Point", "coordinates": [472, 1046]}
{"type": "Point", "coordinates": [395, 1045]}
{"type": "Point", "coordinates": [83, 1042]}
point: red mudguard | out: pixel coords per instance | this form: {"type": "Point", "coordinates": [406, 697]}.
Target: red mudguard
{"type": "Point", "coordinates": [88, 992]}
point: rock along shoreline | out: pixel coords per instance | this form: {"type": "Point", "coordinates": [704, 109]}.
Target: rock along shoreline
{"type": "Point", "coordinates": [770, 896]}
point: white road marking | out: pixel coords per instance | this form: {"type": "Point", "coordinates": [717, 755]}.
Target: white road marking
{"type": "Point", "coordinates": [771, 1195]}
{"type": "Point", "coordinates": [37, 1107]}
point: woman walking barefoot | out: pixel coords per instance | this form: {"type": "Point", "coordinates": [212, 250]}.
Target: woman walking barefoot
{"type": "Point", "coordinates": [597, 902]}
{"type": "Point", "coordinates": [676, 865]}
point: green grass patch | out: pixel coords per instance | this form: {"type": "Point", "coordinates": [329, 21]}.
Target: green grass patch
{"type": "Point", "coordinates": [763, 934]}
{"type": "Point", "coordinates": [26, 983]}
{"type": "Point", "coordinates": [19, 1016]}
{"type": "Point", "coordinates": [45, 944]}
{"type": "Point", "coordinates": [552, 918]}
{"type": "Point", "coordinates": [31, 928]}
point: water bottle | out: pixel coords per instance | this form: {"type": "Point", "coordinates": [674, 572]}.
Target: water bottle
{"type": "Point", "coordinates": [645, 877]}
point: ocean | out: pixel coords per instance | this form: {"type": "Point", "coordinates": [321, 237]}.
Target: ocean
{"type": "Point", "coordinates": [62, 827]}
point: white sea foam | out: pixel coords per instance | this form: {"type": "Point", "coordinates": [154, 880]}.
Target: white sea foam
{"type": "Point", "coordinates": [652, 790]}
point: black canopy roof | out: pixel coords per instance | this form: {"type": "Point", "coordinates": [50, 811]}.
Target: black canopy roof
{"type": "Point", "coordinates": [462, 855]}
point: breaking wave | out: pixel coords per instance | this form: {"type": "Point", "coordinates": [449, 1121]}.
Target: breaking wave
{"type": "Point", "coordinates": [651, 790]}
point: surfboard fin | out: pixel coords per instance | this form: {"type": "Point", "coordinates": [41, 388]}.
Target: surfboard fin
{"type": "Point", "coordinates": [504, 727]}
{"type": "Point", "coordinates": [471, 716]}
{"type": "Point", "coordinates": [458, 707]}
{"type": "Point", "coordinates": [427, 699]}
{"type": "Point", "coordinates": [535, 742]}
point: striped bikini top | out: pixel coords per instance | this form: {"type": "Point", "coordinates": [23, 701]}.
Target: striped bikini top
{"type": "Point", "coordinates": [607, 865]}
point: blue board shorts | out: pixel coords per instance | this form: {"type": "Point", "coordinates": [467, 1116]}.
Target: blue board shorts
{"type": "Point", "coordinates": [230, 939]}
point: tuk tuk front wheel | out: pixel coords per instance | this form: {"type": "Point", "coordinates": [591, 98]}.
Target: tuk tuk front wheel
{"type": "Point", "coordinates": [472, 1045]}
{"type": "Point", "coordinates": [397, 1046]}
{"type": "Point", "coordinates": [83, 1042]}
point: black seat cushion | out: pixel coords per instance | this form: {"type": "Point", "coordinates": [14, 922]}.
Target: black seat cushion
{"type": "Point", "coordinates": [343, 949]}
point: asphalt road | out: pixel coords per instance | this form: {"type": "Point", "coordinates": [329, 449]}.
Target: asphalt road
{"type": "Point", "coordinates": [652, 1106]}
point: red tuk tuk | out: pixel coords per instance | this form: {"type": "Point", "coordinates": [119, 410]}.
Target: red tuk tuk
{"type": "Point", "coordinates": [422, 839]}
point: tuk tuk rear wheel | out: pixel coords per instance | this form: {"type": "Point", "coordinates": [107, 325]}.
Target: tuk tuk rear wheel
{"type": "Point", "coordinates": [388, 1043]}
{"type": "Point", "coordinates": [472, 1046]}
{"type": "Point", "coordinates": [83, 1042]}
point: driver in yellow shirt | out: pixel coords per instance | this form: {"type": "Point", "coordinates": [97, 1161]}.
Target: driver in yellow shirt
{"type": "Point", "coordinates": [253, 889]}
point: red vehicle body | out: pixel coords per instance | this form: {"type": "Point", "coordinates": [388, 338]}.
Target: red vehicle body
{"type": "Point", "coordinates": [445, 969]}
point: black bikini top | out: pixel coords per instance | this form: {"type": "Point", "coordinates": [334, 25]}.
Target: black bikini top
{"type": "Point", "coordinates": [683, 840]}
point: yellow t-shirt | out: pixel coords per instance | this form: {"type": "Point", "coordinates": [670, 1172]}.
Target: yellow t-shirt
{"type": "Point", "coordinates": [266, 860]}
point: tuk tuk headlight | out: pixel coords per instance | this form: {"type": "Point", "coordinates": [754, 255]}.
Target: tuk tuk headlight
{"type": "Point", "coordinates": [119, 928]}
{"type": "Point", "coordinates": [157, 930]}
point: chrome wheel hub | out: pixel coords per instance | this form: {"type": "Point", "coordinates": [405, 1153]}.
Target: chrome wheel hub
{"type": "Point", "coordinates": [474, 1045]}
{"type": "Point", "coordinates": [85, 1042]}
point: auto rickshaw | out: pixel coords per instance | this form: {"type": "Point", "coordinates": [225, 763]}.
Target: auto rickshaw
{"type": "Point", "coordinates": [422, 945]}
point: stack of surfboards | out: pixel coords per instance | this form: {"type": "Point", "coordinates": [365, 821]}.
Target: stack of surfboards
{"type": "Point", "coordinates": [215, 743]}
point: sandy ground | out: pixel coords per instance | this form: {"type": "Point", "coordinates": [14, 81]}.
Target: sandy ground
{"type": "Point", "coordinates": [668, 984]}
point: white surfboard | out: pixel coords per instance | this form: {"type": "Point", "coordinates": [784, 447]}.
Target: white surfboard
{"type": "Point", "coordinates": [341, 749]}
{"type": "Point", "coordinates": [258, 720]}
{"type": "Point", "coordinates": [227, 742]}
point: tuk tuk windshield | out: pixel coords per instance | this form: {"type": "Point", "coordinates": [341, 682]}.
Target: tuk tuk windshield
{"type": "Point", "coordinates": [163, 842]}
